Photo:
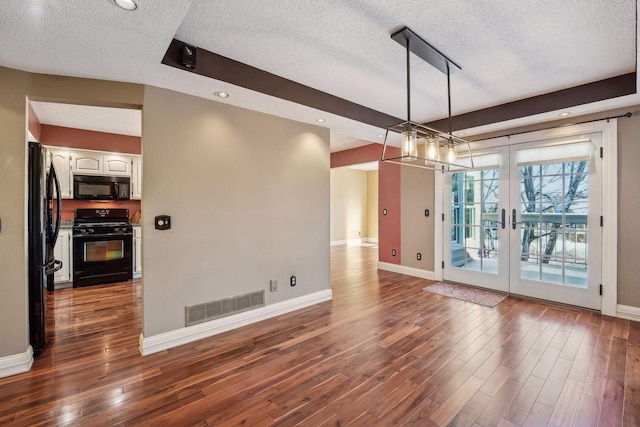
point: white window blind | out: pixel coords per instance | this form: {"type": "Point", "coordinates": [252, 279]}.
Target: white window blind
{"type": "Point", "coordinates": [571, 152]}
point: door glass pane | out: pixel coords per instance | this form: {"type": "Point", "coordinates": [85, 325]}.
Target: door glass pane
{"type": "Point", "coordinates": [474, 216]}
{"type": "Point", "coordinates": [553, 231]}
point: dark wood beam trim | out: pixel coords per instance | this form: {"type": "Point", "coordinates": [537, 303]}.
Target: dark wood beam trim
{"type": "Point", "coordinates": [218, 67]}
{"type": "Point", "coordinates": [566, 98]}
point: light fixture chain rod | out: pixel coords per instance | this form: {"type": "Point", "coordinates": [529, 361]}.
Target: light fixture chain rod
{"type": "Point", "coordinates": [449, 96]}
{"type": "Point", "coordinates": [408, 85]}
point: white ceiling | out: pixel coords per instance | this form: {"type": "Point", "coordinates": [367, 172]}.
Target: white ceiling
{"type": "Point", "coordinates": [102, 119]}
{"type": "Point", "coordinates": [508, 50]}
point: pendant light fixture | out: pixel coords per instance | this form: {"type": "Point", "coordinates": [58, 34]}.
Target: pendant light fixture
{"type": "Point", "coordinates": [422, 146]}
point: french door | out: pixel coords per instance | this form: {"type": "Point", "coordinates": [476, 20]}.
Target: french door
{"type": "Point", "coordinates": [526, 220]}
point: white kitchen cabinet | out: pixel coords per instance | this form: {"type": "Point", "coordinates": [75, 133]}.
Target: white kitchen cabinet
{"type": "Point", "coordinates": [60, 158]}
{"type": "Point", "coordinates": [117, 164]}
{"type": "Point", "coordinates": [137, 251]}
{"type": "Point", "coordinates": [136, 177]}
{"type": "Point", "coordinates": [87, 162]}
{"type": "Point", "coordinates": [63, 251]}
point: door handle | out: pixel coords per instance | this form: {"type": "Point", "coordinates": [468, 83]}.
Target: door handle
{"type": "Point", "coordinates": [502, 223]}
{"type": "Point", "coordinates": [513, 219]}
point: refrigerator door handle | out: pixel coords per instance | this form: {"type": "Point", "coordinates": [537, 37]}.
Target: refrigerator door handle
{"type": "Point", "coordinates": [53, 267]}
{"type": "Point", "coordinates": [58, 202]}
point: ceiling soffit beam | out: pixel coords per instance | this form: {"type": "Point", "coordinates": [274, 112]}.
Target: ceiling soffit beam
{"type": "Point", "coordinates": [221, 68]}
{"type": "Point", "coordinates": [601, 90]}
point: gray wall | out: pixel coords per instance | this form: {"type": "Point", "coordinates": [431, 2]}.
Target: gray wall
{"type": "Point", "coordinates": [249, 198]}
{"type": "Point", "coordinates": [629, 211]}
{"type": "Point", "coordinates": [249, 194]}
{"type": "Point", "coordinates": [417, 230]}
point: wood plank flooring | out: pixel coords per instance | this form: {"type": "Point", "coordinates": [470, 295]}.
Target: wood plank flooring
{"type": "Point", "coordinates": [382, 353]}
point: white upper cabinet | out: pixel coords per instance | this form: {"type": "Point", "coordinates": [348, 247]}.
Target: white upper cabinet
{"type": "Point", "coordinates": [60, 158]}
{"type": "Point", "coordinates": [69, 162]}
{"type": "Point", "coordinates": [87, 162]}
{"type": "Point", "coordinates": [117, 164]}
{"type": "Point", "coordinates": [136, 178]}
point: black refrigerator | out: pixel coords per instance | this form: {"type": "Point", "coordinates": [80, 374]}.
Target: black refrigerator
{"type": "Point", "coordinates": [43, 227]}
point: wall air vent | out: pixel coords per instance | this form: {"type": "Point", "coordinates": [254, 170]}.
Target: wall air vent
{"type": "Point", "coordinates": [221, 308]}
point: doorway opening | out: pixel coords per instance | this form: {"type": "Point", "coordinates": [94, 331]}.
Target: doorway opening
{"type": "Point", "coordinates": [76, 138]}
{"type": "Point", "coordinates": [354, 205]}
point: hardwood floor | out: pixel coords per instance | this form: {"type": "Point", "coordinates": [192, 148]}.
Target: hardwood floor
{"type": "Point", "coordinates": [382, 353]}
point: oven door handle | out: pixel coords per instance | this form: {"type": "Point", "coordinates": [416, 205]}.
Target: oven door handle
{"type": "Point", "coordinates": [104, 235]}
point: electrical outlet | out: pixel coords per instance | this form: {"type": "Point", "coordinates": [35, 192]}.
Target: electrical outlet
{"type": "Point", "coordinates": [273, 285]}
{"type": "Point", "coordinates": [293, 280]}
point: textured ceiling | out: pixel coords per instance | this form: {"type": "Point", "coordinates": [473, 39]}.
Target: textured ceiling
{"type": "Point", "coordinates": [508, 50]}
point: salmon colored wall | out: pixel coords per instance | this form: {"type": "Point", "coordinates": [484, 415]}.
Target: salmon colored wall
{"type": "Point", "coordinates": [365, 154]}
{"type": "Point", "coordinates": [388, 195]}
{"type": "Point", "coordinates": [91, 140]}
{"type": "Point", "coordinates": [389, 186]}
{"type": "Point", "coordinates": [34, 124]}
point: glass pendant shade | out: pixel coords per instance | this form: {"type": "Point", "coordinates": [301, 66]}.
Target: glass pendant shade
{"type": "Point", "coordinates": [432, 149]}
{"type": "Point", "coordinates": [410, 144]}
{"type": "Point", "coordinates": [451, 153]}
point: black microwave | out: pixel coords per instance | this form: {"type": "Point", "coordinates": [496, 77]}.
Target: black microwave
{"type": "Point", "coordinates": [94, 187]}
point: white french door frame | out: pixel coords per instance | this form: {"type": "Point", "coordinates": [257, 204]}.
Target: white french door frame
{"type": "Point", "coordinates": [609, 182]}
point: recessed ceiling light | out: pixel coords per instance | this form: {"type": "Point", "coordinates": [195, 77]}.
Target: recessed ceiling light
{"type": "Point", "coordinates": [565, 114]}
{"type": "Point", "coordinates": [320, 120]}
{"type": "Point", "coordinates": [126, 4]}
{"type": "Point", "coordinates": [380, 135]}
{"type": "Point", "coordinates": [221, 94]}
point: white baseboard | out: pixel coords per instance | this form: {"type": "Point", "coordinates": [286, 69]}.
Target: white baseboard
{"type": "Point", "coordinates": [166, 340]}
{"type": "Point", "coordinates": [409, 271]}
{"type": "Point", "coordinates": [628, 312]}
{"type": "Point", "coordinates": [16, 364]}
{"type": "Point", "coordinates": [354, 242]}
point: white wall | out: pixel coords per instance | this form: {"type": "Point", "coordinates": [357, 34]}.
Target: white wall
{"type": "Point", "coordinates": [249, 198]}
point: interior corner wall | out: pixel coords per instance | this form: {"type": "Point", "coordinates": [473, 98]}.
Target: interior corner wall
{"type": "Point", "coordinates": [372, 205]}
{"type": "Point", "coordinates": [417, 229]}
{"type": "Point", "coordinates": [349, 206]}
{"type": "Point", "coordinates": [15, 87]}
{"type": "Point", "coordinates": [34, 124]}
{"type": "Point", "coordinates": [628, 209]}
{"type": "Point", "coordinates": [244, 210]}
